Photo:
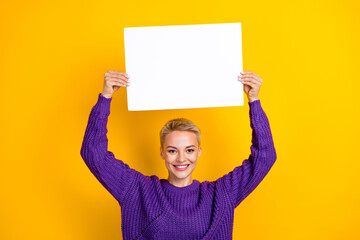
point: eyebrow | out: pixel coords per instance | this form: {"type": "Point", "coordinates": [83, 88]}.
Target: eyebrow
{"type": "Point", "coordinates": [186, 147]}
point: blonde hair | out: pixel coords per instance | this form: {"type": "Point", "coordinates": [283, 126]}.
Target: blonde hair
{"type": "Point", "coordinates": [179, 124]}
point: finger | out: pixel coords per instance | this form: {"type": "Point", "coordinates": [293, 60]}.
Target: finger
{"type": "Point", "coordinates": [259, 80]}
{"type": "Point", "coordinates": [124, 83]}
{"type": "Point", "coordinates": [119, 81]}
{"type": "Point", "coordinates": [249, 73]}
{"type": "Point", "coordinates": [113, 83]}
{"type": "Point", "coordinates": [118, 78]}
{"type": "Point", "coordinates": [256, 77]}
{"type": "Point", "coordinates": [247, 76]}
{"type": "Point", "coordinates": [252, 79]}
{"type": "Point", "coordinates": [251, 84]}
{"type": "Point", "coordinates": [118, 73]}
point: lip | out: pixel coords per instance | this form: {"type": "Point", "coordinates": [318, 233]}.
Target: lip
{"type": "Point", "coordinates": [181, 169]}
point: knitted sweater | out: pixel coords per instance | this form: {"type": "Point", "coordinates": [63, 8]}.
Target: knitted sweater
{"type": "Point", "coordinates": [152, 208]}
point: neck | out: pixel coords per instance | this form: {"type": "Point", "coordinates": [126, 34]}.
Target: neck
{"type": "Point", "coordinates": [180, 182]}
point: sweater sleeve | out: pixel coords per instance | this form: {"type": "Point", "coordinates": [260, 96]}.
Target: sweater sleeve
{"type": "Point", "coordinates": [245, 178]}
{"type": "Point", "coordinates": [113, 174]}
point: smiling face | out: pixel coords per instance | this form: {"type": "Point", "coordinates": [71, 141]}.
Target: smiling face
{"type": "Point", "coordinates": [180, 152]}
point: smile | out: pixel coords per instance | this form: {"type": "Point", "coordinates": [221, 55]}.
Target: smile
{"type": "Point", "coordinates": [181, 167]}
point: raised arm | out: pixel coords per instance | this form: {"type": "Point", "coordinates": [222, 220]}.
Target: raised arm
{"type": "Point", "coordinates": [245, 178]}
{"type": "Point", "coordinates": [113, 174]}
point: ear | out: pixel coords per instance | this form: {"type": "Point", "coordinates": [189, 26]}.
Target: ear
{"type": "Point", "coordinates": [199, 154]}
{"type": "Point", "coordinates": [161, 153]}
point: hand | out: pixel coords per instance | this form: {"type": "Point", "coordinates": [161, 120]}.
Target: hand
{"type": "Point", "coordinates": [252, 83]}
{"type": "Point", "coordinates": [113, 81]}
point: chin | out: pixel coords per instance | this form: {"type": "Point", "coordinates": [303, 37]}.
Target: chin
{"type": "Point", "coordinates": [183, 175]}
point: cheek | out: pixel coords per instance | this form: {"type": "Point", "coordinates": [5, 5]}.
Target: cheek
{"type": "Point", "coordinates": [169, 158]}
{"type": "Point", "coordinates": [196, 155]}
{"type": "Point", "coordinates": [193, 158]}
{"type": "Point", "coordinates": [167, 164]}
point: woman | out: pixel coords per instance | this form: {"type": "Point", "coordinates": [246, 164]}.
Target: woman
{"type": "Point", "coordinates": [177, 207]}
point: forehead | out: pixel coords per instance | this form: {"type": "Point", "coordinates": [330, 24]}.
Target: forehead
{"type": "Point", "coordinates": [181, 138]}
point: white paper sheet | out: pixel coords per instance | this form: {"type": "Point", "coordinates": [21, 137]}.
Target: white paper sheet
{"type": "Point", "coordinates": [184, 66]}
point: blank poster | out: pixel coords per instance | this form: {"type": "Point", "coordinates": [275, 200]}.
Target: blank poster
{"type": "Point", "coordinates": [184, 66]}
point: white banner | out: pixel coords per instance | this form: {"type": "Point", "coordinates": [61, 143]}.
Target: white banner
{"type": "Point", "coordinates": [184, 66]}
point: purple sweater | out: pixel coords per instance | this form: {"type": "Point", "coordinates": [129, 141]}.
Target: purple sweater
{"type": "Point", "coordinates": [152, 208]}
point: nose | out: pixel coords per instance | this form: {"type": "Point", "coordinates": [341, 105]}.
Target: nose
{"type": "Point", "coordinates": [181, 157]}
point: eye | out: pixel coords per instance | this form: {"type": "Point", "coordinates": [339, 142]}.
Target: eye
{"type": "Point", "coordinates": [191, 150]}
{"type": "Point", "coordinates": [171, 151]}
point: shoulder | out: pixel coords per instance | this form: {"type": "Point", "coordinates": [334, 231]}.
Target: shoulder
{"type": "Point", "coordinates": [145, 179]}
{"type": "Point", "coordinates": [142, 184]}
{"type": "Point", "coordinates": [211, 185]}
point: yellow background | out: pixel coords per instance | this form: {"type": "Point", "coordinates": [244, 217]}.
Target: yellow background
{"type": "Point", "coordinates": [53, 57]}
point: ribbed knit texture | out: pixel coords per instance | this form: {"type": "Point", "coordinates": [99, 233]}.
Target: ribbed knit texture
{"type": "Point", "coordinates": [152, 208]}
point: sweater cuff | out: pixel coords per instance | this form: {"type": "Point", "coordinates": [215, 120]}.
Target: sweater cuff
{"type": "Point", "coordinates": [103, 105]}
{"type": "Point", "coordinates": [255, 107]}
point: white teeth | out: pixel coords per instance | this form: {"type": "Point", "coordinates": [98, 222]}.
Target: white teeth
{"type": "Point", "coordinates": [181, 166]}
